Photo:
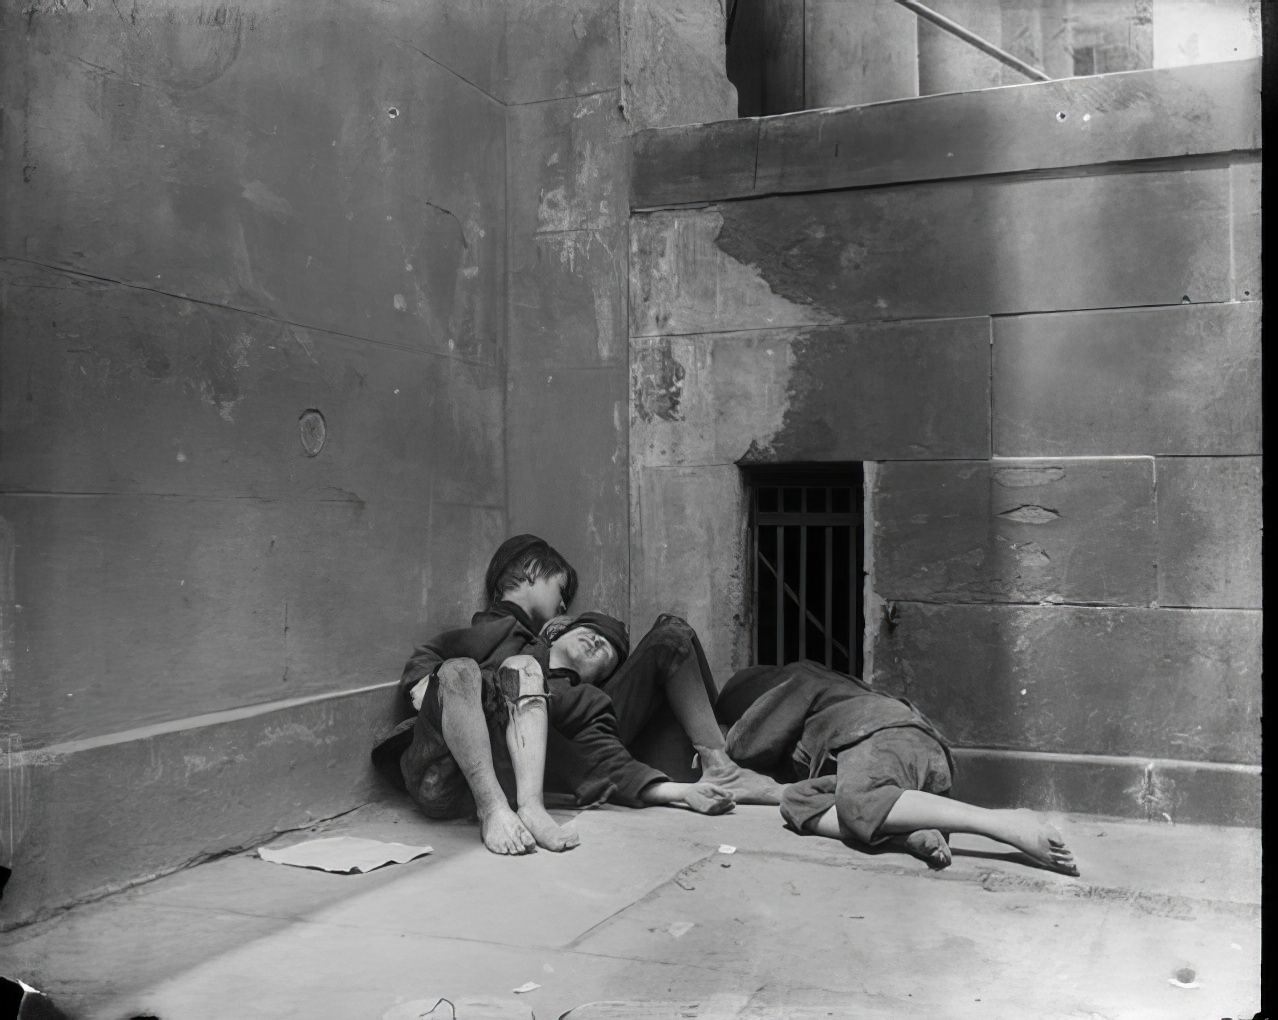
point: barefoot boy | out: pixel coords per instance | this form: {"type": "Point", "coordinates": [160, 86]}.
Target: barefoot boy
{"type": "Point", "coordinates": [868, 767]}
{"type": "Point", "coordinates": [668, 669]}
{"type": "Point", "coordinates": [483, 726]}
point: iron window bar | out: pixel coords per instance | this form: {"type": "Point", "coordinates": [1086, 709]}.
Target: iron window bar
{"type": "Point", "coordinates": [806, 541]}
{"type": "Point", "coordinates": [822, 625]}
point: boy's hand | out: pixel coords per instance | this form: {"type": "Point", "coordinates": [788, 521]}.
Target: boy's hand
{"type": "Point", "coordinates": [708, 799]}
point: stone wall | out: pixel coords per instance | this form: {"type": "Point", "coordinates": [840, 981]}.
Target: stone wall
{"type": "Point", "coordinates": [252, 294]}
{"type": "Point", "coordinates": [1034, 312]}
{"type": "Point", "coordinates": [303, 307]}
{"type": "Point", "coordinates": [583, 76]}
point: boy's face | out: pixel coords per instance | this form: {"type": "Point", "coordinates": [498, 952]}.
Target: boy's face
{"type": "Point", "coordinates": [588, 652]}
{"type": "Point", "coordinates": [545, 597]}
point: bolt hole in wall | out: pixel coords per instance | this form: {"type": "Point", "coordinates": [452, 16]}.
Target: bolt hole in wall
{"type": "Point", "coordinates": [312, 431]}
{"type": "Point", "coordinates": [807, 534]}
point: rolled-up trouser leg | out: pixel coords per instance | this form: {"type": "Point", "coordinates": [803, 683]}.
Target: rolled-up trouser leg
{"type": "Point", "coordinates": [667, 666]}
{"type": "Point", "coordinates": [871, 776]}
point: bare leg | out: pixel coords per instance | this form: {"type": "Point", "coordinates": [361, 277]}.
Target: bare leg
{"type": "Point", "coordinates": [928, 845]}
{"type": "Point", "coordinates": [526, 740]}
{"type": "Point", "coordinates": [688, 699]}
{"type": "Point", "coordinates": [915, 810]}
{"type": "Point", "coordinates": [745, 785]}
{"type": "Point", "coordinates": [690, 703]}
{"type": "Point", "coordinates": [466, 734]}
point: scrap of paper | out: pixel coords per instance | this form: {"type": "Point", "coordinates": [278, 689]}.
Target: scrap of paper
{"type": "Point", "coordinates": [527, 986]}
{"type": "Point", "coordinates": [726, 849]}
{"type": "Point", "coordinates": [344, 855]}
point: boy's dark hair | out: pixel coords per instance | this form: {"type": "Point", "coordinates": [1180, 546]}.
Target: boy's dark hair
{"type": "Point", "coordinates": [527, 558]}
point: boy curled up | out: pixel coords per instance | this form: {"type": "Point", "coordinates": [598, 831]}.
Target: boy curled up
{"type": "Point", "coordinates": [864, 767]}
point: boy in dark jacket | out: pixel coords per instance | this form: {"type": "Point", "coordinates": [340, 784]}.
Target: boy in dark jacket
{"type": "Point", "coordinates": [864, 766]}
{"type": "Point", "coordinates": [458, 755]}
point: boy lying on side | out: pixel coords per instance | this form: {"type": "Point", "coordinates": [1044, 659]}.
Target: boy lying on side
{"type": "Point", "coordinates": [864, 766]}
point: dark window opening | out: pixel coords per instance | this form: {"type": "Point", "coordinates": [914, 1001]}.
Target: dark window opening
{"type": "Point", "coordinates": [807, 539]}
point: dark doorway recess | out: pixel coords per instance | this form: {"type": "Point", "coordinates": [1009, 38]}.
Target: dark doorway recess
{"type": "Point", "coordinates": [807, 537]}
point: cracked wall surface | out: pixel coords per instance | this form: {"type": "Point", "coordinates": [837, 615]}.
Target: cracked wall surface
{"type": "Point", "coordinates": [252, 270]}
{"type": "Point", "coordinates": [1051, 363]}
{"type": "Point", "coordinates": [303, 308]}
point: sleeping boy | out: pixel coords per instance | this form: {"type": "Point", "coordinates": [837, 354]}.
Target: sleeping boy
{"type": "Point", "coordinates": [864, 766]}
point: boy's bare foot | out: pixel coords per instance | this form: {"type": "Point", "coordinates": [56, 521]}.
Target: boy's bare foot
{"type": "Point", "coordinates": [745, 785]}
{"type": "Point", "coordinates": [545, 831]}
{"type": "Point", "coordinates": [928, 845]}
{"type": "Point", "coordinates": [1038, 840]}
{"type": "Point", "coordinates": [504, 833]}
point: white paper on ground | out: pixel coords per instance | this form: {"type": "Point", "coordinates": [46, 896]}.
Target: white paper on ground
{"type": "Point", "coordinates": [527, 986]}
{"type": "Point", "coordinates": [344, 854]}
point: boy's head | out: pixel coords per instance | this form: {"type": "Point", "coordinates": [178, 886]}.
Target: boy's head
{"type": "Point", "coordinates": [593, 644]}
{"type": "Point", "coordinates": [533, 571]}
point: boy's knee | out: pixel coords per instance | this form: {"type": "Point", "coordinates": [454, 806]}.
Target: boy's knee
{"type": "Point", "coordinates": [459, 676]}
{"type": "Point", "coordinates": [676, 625]}
{"type": "Point", "coordinates": [671, 635]}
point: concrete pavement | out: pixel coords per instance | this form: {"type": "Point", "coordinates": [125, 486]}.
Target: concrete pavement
{"type": "Point", "coordinates": [649, 913]}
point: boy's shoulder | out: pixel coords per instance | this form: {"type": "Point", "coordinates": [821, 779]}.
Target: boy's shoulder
{"type": "Point", "coordinates": [488, 630]}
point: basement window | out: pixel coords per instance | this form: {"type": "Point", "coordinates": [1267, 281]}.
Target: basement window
{"type": "Point", "coordinates": [807, 535]}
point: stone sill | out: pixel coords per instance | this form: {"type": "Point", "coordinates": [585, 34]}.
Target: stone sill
{"type": "Point", "coordinates": [1040, 126]}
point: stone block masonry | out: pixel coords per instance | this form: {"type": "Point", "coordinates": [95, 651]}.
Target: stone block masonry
{"type": "Point", "coordinates": [1034, 311]}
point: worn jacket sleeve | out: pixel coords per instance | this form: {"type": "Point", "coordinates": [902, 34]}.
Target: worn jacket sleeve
{"type": "Point", "coordinates": [425, 660]}
{"type": "Point", "coordinates": [585, 754]}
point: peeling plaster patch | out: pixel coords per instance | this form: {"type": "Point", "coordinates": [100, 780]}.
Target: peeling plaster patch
{"type": "Point", "coordinates": [793, 254]}
{"type": "Point", "coordinates": [1023, 478]}
{"type": "Point", "coordinates": [552, 209]}
{"type": "Point", "coordinates": [295, 731]}
{"type": "Point", "coordinates": [1155, 794]}
{"type": "Point", "coordinates": [15, 797]}
{"type": "Point", "coordinates": [8, 608]}
{"type": "Point", "coordinates": [1032, 556]}
{"type": "Point", "coordinates": [658, 385]}
{"type": "Point", "coordinates": [303, 341]}
{"type": "Point", "coordinates": [262, 197]}
{"type": "Point", "coordinates": [805, 429]}
{"type": "Point", "coordinates": [692, 282]}
{"type": "Point", "coordinates": [219, 383]}
{"type": "Point", "coordinates": [1030, 514]}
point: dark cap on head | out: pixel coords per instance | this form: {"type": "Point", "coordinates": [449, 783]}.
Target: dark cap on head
{"type": "Point", "coordinates": [506, 554]}
{"type": "Point", "coordinates": [608, 626]}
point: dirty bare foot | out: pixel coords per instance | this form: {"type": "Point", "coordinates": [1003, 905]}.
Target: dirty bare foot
{"type": "Point", "coordinates": [504, 833]}
{"type": "Point", "coordinates": [745, 785]}
{"type": "Point", "coordinates": [545, 831]}
{"type": "Point", "coordinates": [928, 845]}
{"type": "Point", "coordinates": [1038, 840]}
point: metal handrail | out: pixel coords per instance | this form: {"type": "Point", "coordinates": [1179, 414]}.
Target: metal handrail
{"type": "Point", "coordinates": [972, 39]}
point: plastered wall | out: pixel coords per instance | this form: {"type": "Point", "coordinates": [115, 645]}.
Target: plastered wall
{"type": "Point", "coordinates": [303, 308]}
{"type": "Point", "coordinates": [1035, 314]}
{"type": "Point", "coordinates": [252, 322]}
{"type": "Point", "coordinates": [585, 75]}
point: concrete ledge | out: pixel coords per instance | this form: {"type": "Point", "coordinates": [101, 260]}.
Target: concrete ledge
{"type": "Point", "coordinates": [181, 792]}
{"type": "Point", "coordinates": [1073, 122]}
{"type": "Point", "coordinates": [1160, 790]}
